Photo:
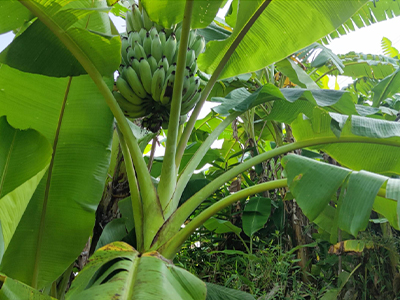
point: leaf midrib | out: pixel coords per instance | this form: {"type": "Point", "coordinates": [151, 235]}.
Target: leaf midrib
{"type": "Point", "coordinates": [7, 163]}
{"type": "Point", "coordinates": [47, 190]}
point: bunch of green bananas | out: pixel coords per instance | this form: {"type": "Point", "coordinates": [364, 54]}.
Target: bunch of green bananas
{"type": "Point", "coordinates": [147, 72]}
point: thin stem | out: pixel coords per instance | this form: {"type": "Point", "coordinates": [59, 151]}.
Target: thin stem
{"type": "Point", "coordinates": [137, 207]}
{"type": "Point", "coordinates": [168, 172]}
{"type": "Point", "coordinates": [152, 152]}
{"type": "Point", "coordinates": [150, 200]}
{"type": "Point", "coordinates": [195, 114]}
{"type": "Point", "coordinates": [174, 222]}
{"type": "Point", "coordinates": [194, 162]}
{"type": "Point", "coordinates": [172, 246]}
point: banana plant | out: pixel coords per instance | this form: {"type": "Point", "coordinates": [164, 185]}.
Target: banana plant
{"type": "Point", "coordinates": [56, 82]}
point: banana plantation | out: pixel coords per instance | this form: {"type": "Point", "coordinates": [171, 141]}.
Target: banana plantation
{"type": "Point", "coordinates": [116, 182]}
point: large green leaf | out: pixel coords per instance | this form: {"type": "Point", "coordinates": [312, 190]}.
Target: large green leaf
{"type": "Point", "coordinates": [283, 28]}
{"type": "Point", "coordinates": [242, 100]}
{"type": "Point", "coordinates": [170, 12]}
{"type": "Point", "coordinates": [367, 155]}
{"type": "Point", "coordinates": [77, 22]}
{"type": "Point", "coordinates": [72, 115]}
{"type": "Point", "coordinates": [117, 271]}
{"type": "Point", "coordinates": [13, 15]}
{"type": "Point", "coordinates": [256, 214]}
{"type": "Point", "coordinates": [24, 158]}
{"type": "Point", "coordinates": [314, 183]}
{"type": "Point", "coordinates": [13, 289]}
{"type": "Point", "coordinates": [371, 13]}
{"type": "Point", "coordinates": [386, 88]}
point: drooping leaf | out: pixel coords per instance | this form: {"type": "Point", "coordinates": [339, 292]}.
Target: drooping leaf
{"type": "Point", "coordinates": [78, 23]}
{"type": "Point", "coordinates": [217, 292]}
{"type": "Point", "coordinates": [270, 39]}
{"type": "Point", "coordinates": [221, 226]}
{"type": "Point", "coordinates": [170, 12]}
{"type": "Point", "coordinates": [256, 214]}
{"type": "Point", "coordinates": [386, 88]}
{"type": "Point", "coordinates": [24, 158]}
{"type": "Point", "coordinates": [354, 214]}
{"type": "Point", "coordinates": [371, 13]}
{"type": "Point", "coordinates": [363, 155]}
{"type": "Point", "coordinates": [296, 74]}
{"type": "Point", "coordinates": [13, 289]}
{"type": "Point", "coordinates": [314, 183]}
{"type": "Point", "coordinates": [117, 270]}
{"type": "Point", "coordinates": [320, 55]}
{"type": "Point", "coordinates": [359, 65]}
{"type": "Point", "coordinates": [72, 115]}
{"type": "Point", "coordinates": [242, 100]}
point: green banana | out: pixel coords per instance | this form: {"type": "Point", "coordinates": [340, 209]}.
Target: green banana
{"type": "Point", "coordinates": [148, 65]}
{"type": "Point", "coordinates": [145, 74]}
{"type": "Point", "coordinates": [186, 85]}
{"type": "Point", "coordinates": [130, 54]}
{"type": "Point", "coordinates": [134, 37]}
{"type": "Point", "coordinates": [192, 37]}
{"type": "Point", "coordinates": [193, 68]}
{"type": "Point", "coordinates": [153, 32]}
{"type": "Point", "coordinates": [137, 18]}
{"type": "Point", "coordinates": [125, 105]}
{"type": "Point", "coordinates": [170, 47]}
{"type": "Point", "coordinates": [135, 65]}
{"type": "Point", "coordinates": [129, 22]}
{"type": "Point", "coordinates": [147, 44]}
{"type": "Point", "coordinates": [152, 62]}
{"type": "Point", "coordinates": [190, 57]}
{"type": "Point", "coordinates": [133, 79]}
{"type": "Point", "coordinates": [187, 71]}
{"type": "Point", "coordinates": [124, 45]}
{"type": "Point", "coordinates": [156, 48]}
{"type": "Point", "coordinates": [142, 33]}
{"type": "Point", "coordinates": [163, 62]}
{"type": "Point", "coordinates": [136, 114]}
{"type": "Point", "coordinates": [146, 20]}
{"type": "Point", "coordinates": [171, 69]}
{"type": "Point", "coordinates": [198, 45]}
{"type": "Point", "coordinates": [157, 83]}
{"type": "Point", "coordinates": [139, 51]}
{"type": "Point", "coordinates": [166, 93]}
{"type": "Point", "coordinates": [178, 33]}
{"type": "Point", "coordinates": [191, 91]}
{"type": "Point", "coordinates": [186, 107]}
{"type": "Point", "coordinates": [127, 92]}
{"type": "Point", "coordinates": [163, 37]}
